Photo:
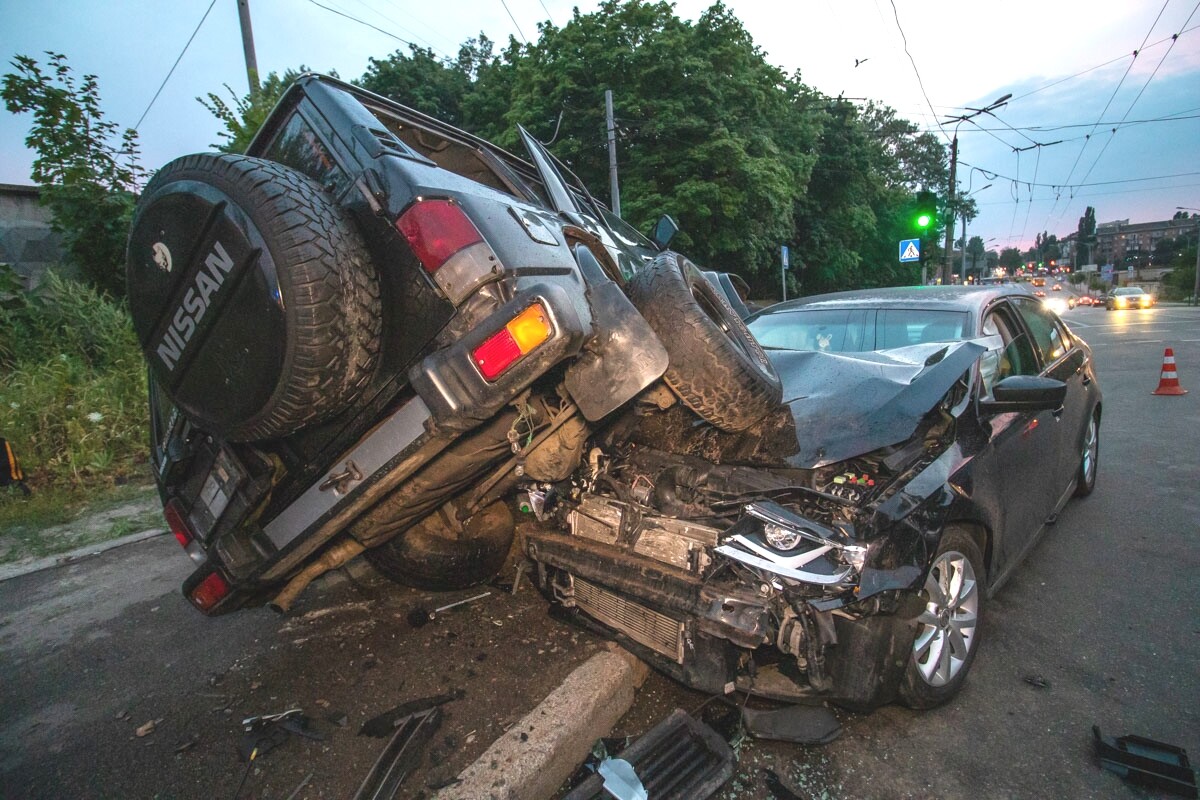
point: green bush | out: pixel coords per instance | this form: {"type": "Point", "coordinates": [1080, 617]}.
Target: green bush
{"type": "Point", "coordinates": [74, 400]}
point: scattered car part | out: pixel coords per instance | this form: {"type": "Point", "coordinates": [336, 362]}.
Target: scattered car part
{"type": "Point", "coordinates": [620, 781]}
{"type": "Point", "coordinates": [420, 615]}
{"type": "Point", "coordinates": [265, 733]}
{"type": "Point", "coordinates": [680, 758]}
{"type": "Point", "coordinates": [296, 792]}
{"type": "Point", "coordinates": [1147, 762]}
{"type": "Point", "coordinates": [383, 724]}
{"type": "Point", "coordinates": [799, 724]}
{"type": "Point", "coordinates": [776, 786]}
{"type": "Point", "coordinates": [401, 755]}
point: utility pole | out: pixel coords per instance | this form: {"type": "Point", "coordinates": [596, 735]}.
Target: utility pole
{"type": "Point", "coordinates": [614, 189]}
{"type": "Point", "coordinates": [948, 265]}
{"type": "Point", "coordinates": [248, 46]}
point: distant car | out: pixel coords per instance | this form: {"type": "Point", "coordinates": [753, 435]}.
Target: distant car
{"type": "Point", "coordinates": [1040, 293]}
{"type": "Point", "coordinates": [1056, 287]}
{"type": "Point", "coordinates": [1128, 297]}
{"type": "Point", "coordinates": [1086, 300]}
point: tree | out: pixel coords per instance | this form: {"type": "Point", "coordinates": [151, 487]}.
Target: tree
{"type": "Point", "coordinates": [975, 249]}
{"type": "Point", "coordinates": [424, 82]}
{"type": "Point", "coordinates": [86, 166]}
{"type": "Point", "coordinates": [1086, 236]}
{"type": "Point", "coordinates": [1010, 258]}
{"type": "Point", "coordinates": [248, 112]}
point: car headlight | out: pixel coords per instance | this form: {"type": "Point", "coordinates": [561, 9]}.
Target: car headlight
{"type": "Point", "coordinates": [781, 538]}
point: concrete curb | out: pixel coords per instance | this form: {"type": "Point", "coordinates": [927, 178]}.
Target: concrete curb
{"type": "Point", "coordinates": [19, 568]}
{"type": "Point", "coordinates": [535, 756]}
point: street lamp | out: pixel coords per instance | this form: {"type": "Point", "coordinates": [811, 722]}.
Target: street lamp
{"type": "Point", "coordinates": [963, 274]}
{"type": "Point", "coordinates": [1196, 288]}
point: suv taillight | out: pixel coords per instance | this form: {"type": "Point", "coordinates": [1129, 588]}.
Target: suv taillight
{"type": "Point", "coordinates": [436, 230]}
{"type": "Point", "coordinates": [504, 348]}
{"type": "Point", "coordinates": [182, 531]}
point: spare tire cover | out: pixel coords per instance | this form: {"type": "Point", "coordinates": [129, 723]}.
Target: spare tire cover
{"type": "Point", "coordinates": [251, 295]}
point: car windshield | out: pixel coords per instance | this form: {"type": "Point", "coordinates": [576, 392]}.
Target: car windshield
{"type": "Point", "coordinates": [854, 330]}
{"type": "Point", "coordinates": [1134, 290]}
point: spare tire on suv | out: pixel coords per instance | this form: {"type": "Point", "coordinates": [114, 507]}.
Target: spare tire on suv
{"type": "Point", "coordinates": [252, 296]}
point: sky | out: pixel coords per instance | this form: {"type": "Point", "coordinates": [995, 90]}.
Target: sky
{"type": "Point", "coordinates": [1069, 65]}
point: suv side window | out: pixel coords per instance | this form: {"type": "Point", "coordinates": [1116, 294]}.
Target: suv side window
{"type": "Point", "coordinates": [298, 146]}
{"type": "Point", "coordinates": [1050, 338]}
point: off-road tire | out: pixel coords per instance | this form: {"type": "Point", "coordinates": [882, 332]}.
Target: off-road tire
{"type": "Point", "coordinates": [429, 556]}
{"type": "Point", "coordinates": [328, 288]}
{"type": "Point", "coordinates": [717, 368]}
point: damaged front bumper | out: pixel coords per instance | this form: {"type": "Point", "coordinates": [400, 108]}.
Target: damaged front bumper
{"type": "Point", "coordinates": [772, 605]}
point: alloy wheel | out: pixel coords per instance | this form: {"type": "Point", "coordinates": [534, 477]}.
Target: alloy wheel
{"type": "Point", "coordinates": [1091, 446]}
{"type": "Point", "coordinates": [948, 623]}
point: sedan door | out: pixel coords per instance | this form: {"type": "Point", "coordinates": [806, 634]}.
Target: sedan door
{"type": "Point", "coordinates": [1063, 359]}
{"type": "Point", "coordinates": [1018, 473]}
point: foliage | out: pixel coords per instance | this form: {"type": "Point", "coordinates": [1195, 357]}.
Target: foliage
{"type": "Point", "coordinates": [87, 169]}
{"type": "Point", "coordinates": [248, 112]}
{"type": "Point", "coordinates": [434, 86]}
{"type": "Point", "coordinates": [1180, 282]}
{"type": "Point", "coordinates": [74, 399]}
{"type": "Point", "coordinates": [1085, 237]}
{"type": "Point", "coordinates": [1011, 258]}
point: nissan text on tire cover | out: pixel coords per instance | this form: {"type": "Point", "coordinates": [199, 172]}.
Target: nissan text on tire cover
{"type": "Point", "coordinates": [376, 334]}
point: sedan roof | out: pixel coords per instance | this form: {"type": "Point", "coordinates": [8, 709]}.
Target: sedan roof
{"type": "Point", "coordinates": [951, 298]}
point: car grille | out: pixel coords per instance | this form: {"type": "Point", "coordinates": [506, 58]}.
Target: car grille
{"type": "Point", "coordinates": [650, 628]}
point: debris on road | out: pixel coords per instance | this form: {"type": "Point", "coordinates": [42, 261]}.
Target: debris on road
{"type": "Point", "coordinates": [384, 724]}
{"type": "Point", "coordinates": [679, 757]}
{"type": "Point", "coordinates": [265, 733]}
{"type": "Point", "coordinates": [1147, 762]}
{"type": "Point", "coordinates": [1037, 680]}
{"type": "Point", "coordinates": [401, 756]}
{"type": "Point", "coordinates": [800, 724]}
{"type": "Point", "coordinates": [147, 728]}
{"type": "Point", "coordinates": [421, 616]}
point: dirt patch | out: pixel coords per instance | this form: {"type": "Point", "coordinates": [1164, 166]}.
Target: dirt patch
{"type": "Point", "coordinates": [29, 541]}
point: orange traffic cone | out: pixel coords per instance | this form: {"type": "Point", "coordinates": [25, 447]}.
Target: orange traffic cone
{"type": "Point", "coordinates": [1169, 382]}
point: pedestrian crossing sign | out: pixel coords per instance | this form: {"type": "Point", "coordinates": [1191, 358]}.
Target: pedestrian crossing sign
{"type": "Point", "coordinates": [910, 250]}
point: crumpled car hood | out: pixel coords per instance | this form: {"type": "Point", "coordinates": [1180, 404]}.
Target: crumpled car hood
{"type": "Point", "coordinates": [847, 404]}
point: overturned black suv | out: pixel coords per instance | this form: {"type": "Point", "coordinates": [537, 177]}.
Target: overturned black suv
{"type": "Point", "coordinates": [378, 334]}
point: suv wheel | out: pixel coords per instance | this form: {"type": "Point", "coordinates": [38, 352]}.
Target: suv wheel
{"type": "Point", "coordinates": [717, 367]}
{"type": "Point", "coordinates": [252, 295]}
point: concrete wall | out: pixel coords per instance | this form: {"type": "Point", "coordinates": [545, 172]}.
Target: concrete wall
{"type": "Point", "coordinates": [26, 239]}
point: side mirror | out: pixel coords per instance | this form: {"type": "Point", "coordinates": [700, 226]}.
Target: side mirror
{"type": "Point", "coordinates": [664, 231]}
{"type": "Point", "coordinates": [1025, 393]}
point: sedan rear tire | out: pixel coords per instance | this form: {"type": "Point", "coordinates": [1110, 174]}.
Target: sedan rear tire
{"type": "Point", "coordinates": [947, 635]}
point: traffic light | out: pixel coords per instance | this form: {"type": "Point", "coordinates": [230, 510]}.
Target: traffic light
{"type": "Point", "coordinates": [926, 211]}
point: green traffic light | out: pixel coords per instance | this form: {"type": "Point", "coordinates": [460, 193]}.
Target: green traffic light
{"type": "Point", "coordinates": [923, 221]}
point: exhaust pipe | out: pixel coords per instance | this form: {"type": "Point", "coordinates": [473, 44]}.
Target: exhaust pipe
{"type": "Point", "coordinates": [334, 556]}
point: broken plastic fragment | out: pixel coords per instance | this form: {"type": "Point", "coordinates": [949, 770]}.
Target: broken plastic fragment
{"type": "Point", "coordinates": [621, 781]}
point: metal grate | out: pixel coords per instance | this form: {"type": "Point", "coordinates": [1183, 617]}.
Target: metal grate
{"type": "Point", "coordinates": [656, 631]}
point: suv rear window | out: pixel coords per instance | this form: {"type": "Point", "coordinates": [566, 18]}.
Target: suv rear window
{"type": "Point", "coordinates": [298, 146]}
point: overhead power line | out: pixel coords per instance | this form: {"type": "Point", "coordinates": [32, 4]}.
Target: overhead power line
{"type": "Point", "coordinates": [171, 71]}
{"type": "Point", "coordinates": [920, 83]}
{"type": "Point", "coordinates": [363, 22]}
{"type": "Point", "coordinates": [1004, 177]}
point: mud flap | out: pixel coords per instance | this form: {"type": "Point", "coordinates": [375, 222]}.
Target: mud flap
{"type": "Point", "coordinates": [624, 355]}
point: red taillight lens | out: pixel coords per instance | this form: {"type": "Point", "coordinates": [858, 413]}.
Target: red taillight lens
{"type": "Point", "coordinates": [436, 230]}
{"type": "Point", "coordinates": [175, 521]}
{"type": "Point", "coordinates": [522, 334]}
{"type": "Point", "coordinates": [210, 591]}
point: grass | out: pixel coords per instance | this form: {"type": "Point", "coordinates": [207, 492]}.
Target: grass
{"type": "Point", "coordinates": [59, 519]}
{"type": "Point", "coordinates": [73, 405]}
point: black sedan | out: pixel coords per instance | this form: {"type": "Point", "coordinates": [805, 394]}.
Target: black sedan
{"type": "Point", "coordinates": [1019, 435]}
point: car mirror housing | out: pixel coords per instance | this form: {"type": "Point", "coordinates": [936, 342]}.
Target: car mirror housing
{"type": "Point", "coordinates": [1025, 393]}
{"type": "Point", "coordinates": [664, 231]}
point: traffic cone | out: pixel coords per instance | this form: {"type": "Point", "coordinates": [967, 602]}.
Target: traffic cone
{"type": "Point", "coordinates": [1169, 382]}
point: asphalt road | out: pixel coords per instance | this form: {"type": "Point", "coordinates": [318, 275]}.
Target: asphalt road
{"type": "Point", "coordinates": [1106, 612]}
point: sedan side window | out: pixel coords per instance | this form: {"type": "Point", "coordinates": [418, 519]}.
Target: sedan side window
{"type": "Point", "coordinates": [1016, 358]}
{"type": "Point", "coordinates": [1049, 338]}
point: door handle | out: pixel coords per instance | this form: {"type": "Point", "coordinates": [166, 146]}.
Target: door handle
{"type": "Point", "coordinates": [1087, 380]}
